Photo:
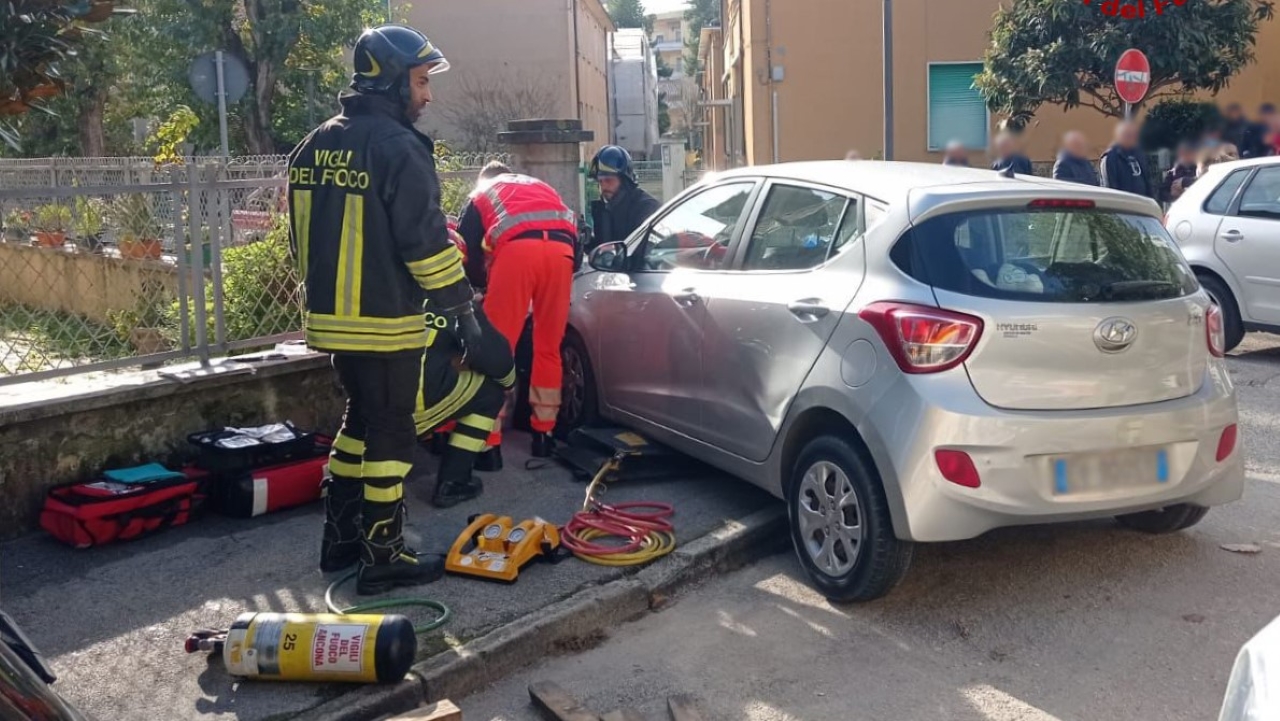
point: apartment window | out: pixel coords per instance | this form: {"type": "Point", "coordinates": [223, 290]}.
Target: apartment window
{"type": "Point", "coordinates": [956, 108]}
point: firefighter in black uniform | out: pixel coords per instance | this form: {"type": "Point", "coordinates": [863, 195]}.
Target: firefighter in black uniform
{"type": "Point", "coordinates": [625, 205]}
{"type": "Point", "coordinates": [372, 244]}
{"type": "Point", "coordinates": [465, 383]}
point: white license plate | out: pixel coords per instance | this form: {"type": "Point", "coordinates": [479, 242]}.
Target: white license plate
{"type": "Point", "coordinates": [1091, 472]}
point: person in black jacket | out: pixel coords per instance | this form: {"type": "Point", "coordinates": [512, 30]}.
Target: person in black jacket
{"type": "Point", "coordinates": [1124, 165]}
{"type": "Point", "coordinates": [372, 244]}
{"type": "Point", "coordinates": [1183, 173]}
{"type": "Point", "coordinates": [626, 206]}
{"type": "Point", "coordinates": [1008, 155]}
{"type": "Point", "coordinates": [1073, 164]}
{"type": "Point", "coordinates": [465, 384]}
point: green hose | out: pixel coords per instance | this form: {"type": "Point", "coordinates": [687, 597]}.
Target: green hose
{"type": "Point", "coordinates": [444, 613]}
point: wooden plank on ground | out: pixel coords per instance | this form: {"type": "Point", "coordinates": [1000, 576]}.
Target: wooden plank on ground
{"type": "Point", "coordinates": [442, 711]}
{"type": "Point", "coordinates": [623, 714]}
{"type": "Point", "coordinates": [557, 705]}
{"type": "Point", "coordinates": [683, 708]}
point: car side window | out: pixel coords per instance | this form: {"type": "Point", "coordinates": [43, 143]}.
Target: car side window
{"type": "Point", "coordinates": [798, 227]}
{"type": "Point", "coordinates": [696, 234]}
{"type": "Point", "coordinates": [1262, 198]}
{"type": "Point", "coordinates": [1220, 200]}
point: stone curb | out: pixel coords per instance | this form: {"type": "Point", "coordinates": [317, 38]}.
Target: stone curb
{"type": "Point", "coordinates": [578, 621]}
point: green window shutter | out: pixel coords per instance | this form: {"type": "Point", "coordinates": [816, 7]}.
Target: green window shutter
{"type": "Point", "coordinates": [956, 108]}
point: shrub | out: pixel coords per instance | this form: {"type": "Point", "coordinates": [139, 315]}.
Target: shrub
{"type": "Point", "coordinates": [1170, 122]}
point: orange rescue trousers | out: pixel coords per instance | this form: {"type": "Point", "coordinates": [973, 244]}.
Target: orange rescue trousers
{"type": "Point", "coordinates": [539, 273]}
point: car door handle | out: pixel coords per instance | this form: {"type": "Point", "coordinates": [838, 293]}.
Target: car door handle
{"type": "Point", "coordinates": [808, 310]}
{"type": "Point", "coordinates": [1233, 236]}
{"type": "Point", "coordinates": [687, 297]}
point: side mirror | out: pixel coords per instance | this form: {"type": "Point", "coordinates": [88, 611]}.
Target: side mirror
{"type": "Point", "coordinates": [609, 258]}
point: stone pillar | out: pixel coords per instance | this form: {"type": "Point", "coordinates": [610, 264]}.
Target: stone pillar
{"type": "Point", "coordinates": [550, 150]}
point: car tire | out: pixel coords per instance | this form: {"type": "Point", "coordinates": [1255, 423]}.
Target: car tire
{"type": "Point", "coordinates": [578, 403]}
{"type": "Point", "coordinates": [827, 470]}
{"type": "Point", "coordinates": [1232, 325]}
{"type": "Point", "coordinates": [1170, 519]}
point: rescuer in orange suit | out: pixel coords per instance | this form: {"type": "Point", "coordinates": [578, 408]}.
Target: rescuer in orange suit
{"type": "Point", "coordinates": [530, 237]}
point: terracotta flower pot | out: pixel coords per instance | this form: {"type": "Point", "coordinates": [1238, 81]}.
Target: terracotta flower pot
{"type": "Point", "coordinates": [135, 249]}
{"type": "Point", "coordinates": [50, 238]}
{"type": "Point", "coordinates": [147, 341]}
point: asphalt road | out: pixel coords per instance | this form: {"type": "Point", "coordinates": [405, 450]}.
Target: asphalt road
{"type": "Point", "coordinates": [1078, 622]}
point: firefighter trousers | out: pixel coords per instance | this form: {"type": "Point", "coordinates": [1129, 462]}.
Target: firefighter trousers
{"type": "Point", "coordinates": [468, 412]}
{"type": "Point", "coordinates": [376, 443]}
{"type": "Point", "coordinates": [538, 273]}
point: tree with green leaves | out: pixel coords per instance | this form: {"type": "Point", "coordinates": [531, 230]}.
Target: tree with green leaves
{"type": "Point", "coordinates": [292, 49]}
{"type": "Point", "coordinates": [1063, 52]}
{"type": "Point", "coordinates": [626, 13]}
{"type": "Point", "coordinates": [37, 38]}
{"type": "Point", "coordinates": [700, 13]}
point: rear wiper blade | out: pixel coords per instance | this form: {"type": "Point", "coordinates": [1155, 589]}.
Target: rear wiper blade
{"type": "Point", "coordinates": [1135, 287]}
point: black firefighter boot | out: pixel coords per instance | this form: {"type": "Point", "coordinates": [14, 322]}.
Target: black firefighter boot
{"type": "Point", "coordinates": [454, 482]}
{"type": "Point", "coordinates": [543, 445]}
{"type": "Point", "coordinates": [386, 563]}
{"type": "Point", "coordinates": [489, 460]}
{"type": "Point", "coordinates": [340, 545]}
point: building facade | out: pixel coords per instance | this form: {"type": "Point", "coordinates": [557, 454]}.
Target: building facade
{"type": "Point", "coordinates": [515, 59]}
{"type": "Point", "coordinates": [633, 83]}
{"type": "Point", "coordinates": [679, 90]}
{"type": "Point", "coordinates": [803, 81]}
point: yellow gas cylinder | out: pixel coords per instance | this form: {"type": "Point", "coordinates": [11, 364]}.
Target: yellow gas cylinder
{"type": "Point", "coordinates": [320, 647]}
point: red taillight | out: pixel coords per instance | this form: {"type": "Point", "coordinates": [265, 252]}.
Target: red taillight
{"type": "Point", "coordinates": [957, 467]}
{"type": "Point", "coordinates": [1227, 443]}
{"type": "Point", "coordinates": [1046, 203]}
{"type": "Point", "coordinates": [1214, 332]}
{"type": "Point", "coordinates": [923, 339]}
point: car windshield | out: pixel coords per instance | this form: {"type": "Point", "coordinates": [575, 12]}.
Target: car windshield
{"type": "Point", "coordinates": [1058, 256]}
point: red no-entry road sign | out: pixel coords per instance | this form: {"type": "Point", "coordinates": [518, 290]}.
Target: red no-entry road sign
{"type": "Point", "coordinates": [1133, 76]}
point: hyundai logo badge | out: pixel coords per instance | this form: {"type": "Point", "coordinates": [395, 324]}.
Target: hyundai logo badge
{"type": "Point", "coordinates": [1115, 335]}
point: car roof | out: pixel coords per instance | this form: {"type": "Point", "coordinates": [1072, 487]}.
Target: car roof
{"type": "Point", "coordinates": [921, 185]}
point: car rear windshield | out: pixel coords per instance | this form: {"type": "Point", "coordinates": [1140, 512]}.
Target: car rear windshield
{"type": "Point", "coordinates": [1051, 256]}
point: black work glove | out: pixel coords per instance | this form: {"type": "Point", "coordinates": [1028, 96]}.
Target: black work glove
{"type": "Point", "coordinates": [468, 327]}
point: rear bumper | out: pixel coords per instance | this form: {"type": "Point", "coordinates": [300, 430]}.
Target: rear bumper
{"type": "Point", "coordinates": [1013, 454]}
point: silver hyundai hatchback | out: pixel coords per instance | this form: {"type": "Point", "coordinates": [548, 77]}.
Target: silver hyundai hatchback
{"type": "Point", "coordinates": [909, 353]}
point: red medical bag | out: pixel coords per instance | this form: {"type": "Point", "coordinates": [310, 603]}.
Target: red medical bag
{"type": "Point", "coordinates": [99, 512]}
{"type": "Point", "coordinates": [270, 489]}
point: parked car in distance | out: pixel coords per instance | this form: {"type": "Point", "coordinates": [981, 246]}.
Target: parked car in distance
{"type": "Point", "coordinates": [1228, 226]}
{"type": "Point", "coordinates": [909, 352]}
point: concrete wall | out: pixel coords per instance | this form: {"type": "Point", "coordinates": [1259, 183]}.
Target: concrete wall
{"type": "Point", "coordinates": [43, 444]}
{"type": "Point", "coordinates": [831, 97]}
{"type": "Point", "coordinates": [507, 45]}
{"type": "Point", "coordinates": [87, 285]}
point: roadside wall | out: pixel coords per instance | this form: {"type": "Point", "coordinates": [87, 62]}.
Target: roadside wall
{"type": "Point", "coordinates": [47, 443]}
{"type": "Point", "coordinates": [90, 286]}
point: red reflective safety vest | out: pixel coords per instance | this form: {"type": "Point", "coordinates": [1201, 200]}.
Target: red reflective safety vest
{"type": "Point", "coordinates": [513, 204]}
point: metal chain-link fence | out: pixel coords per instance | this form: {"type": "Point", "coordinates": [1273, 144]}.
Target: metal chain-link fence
{"type": "Point", "coordinates": [112, 262]}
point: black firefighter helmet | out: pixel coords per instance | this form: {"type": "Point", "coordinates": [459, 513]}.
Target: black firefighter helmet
{"type": "Point", "coordinates": [384, 56]}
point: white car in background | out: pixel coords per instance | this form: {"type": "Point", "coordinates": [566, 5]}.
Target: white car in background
{"type": "Point", "coordinates": [1228, 226]}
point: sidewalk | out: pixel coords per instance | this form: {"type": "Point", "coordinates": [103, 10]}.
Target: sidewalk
{"type": "Point", "coordinates": [112, 620]}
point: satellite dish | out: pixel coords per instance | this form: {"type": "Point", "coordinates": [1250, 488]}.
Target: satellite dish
{"type": "Point", "coordinates": [203, 76]}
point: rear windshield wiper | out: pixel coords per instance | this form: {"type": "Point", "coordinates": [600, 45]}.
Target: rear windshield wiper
{"type": "Point", "coordinates": [1138, 288]}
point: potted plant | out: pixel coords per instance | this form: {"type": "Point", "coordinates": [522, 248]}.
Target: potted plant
{"type": "Point", "coordinates": [142, 324]}
{"type": "Point", "coordinates": [87, 220]}
{"type": "Point", "coordinates": [135, 219]}
{"type": "Point", "coordinates": [51, 223]}
{"type": "Point", "coordinates": [17, 225]}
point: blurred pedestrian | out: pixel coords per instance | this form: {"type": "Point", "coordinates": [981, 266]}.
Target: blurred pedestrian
{"type": "Point", "coordinates": [956, 154]}
{"type": "Point", "coordinates": [1124, 166]}
{"type": "Point", "coordinates": [853, 155]}
{"type": "Point", "coordinates": [1073, 164]}
{"type": "Point", "coordinates": [1009, 155]}
{"type": "Point", "coordinates": [1183, 173]}
{"type": "Point", "coordinates": [1236, 128]}
{"type": "Point", "coordinates": [1209, 158]}
{"type": "Point", "coordinates": [1269, 119]}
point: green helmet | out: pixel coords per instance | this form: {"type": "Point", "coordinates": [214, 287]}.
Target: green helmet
{"type": "Point", "coordinates": [384, 56]}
